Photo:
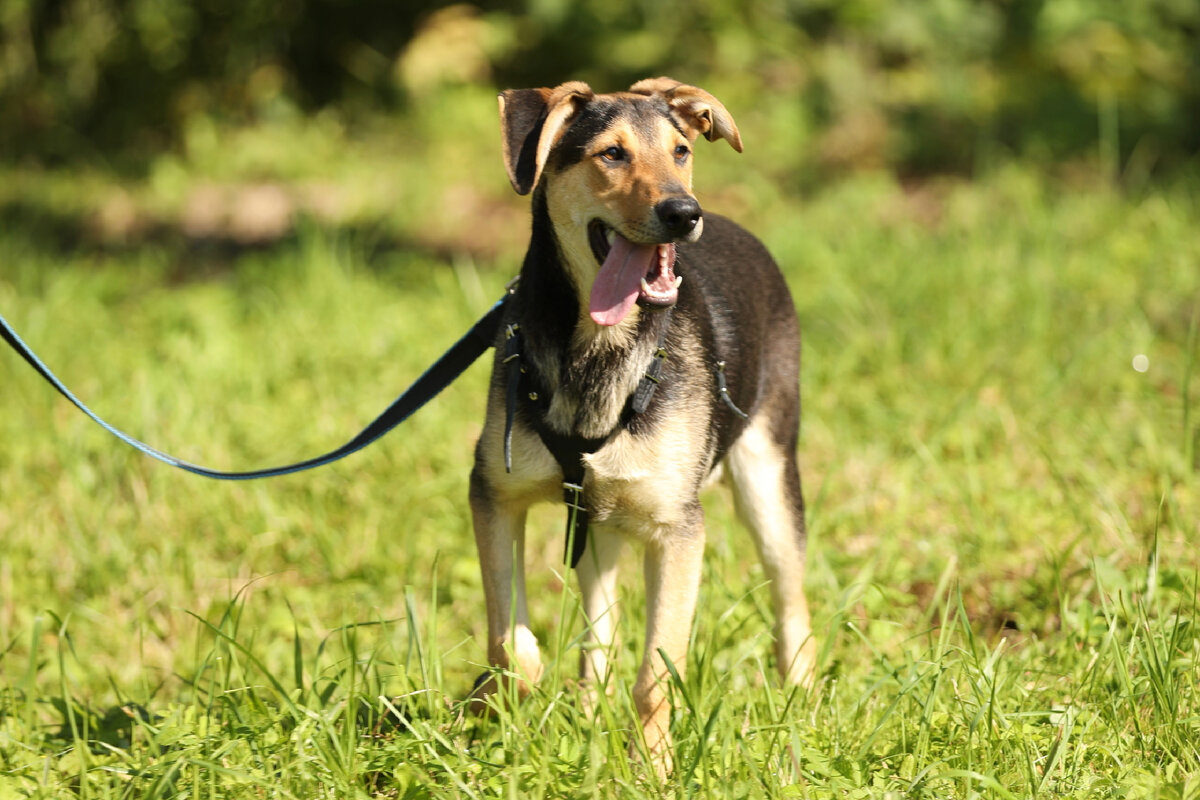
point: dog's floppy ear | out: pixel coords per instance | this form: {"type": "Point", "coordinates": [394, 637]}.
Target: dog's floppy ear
{"type": "Point", "coordinates": [696, 108]}
{"type": "Point", "coordinates": [531, 120]}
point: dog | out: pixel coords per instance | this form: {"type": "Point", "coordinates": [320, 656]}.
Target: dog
{"type": "Point", "coordinates": [637, 357]}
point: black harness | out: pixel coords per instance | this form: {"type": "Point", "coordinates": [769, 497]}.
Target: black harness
{"type": "Point", "coordinates": [522, 381]}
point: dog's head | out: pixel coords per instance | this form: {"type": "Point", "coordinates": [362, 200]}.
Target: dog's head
{"type": "Point", "coordinates": [616, 170]}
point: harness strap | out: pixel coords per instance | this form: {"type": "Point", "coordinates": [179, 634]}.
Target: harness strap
{"type": "Point", "coordinates": [461, 355]}
{"type": "Point", "coordinates": [649, 382]}
{"type": "Point", "coordinates": [723, 391]}
{"type": "Point", "coordinates": [569, 451]}
{"type": "Point", "coordinates": [512, 363]}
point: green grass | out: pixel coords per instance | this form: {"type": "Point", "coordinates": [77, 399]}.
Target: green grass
{"type": "Point", "coordinates": [1003, 512]}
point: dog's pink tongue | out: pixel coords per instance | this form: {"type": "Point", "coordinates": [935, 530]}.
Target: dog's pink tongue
{"type": "Point", "coordinates": [619, 280]}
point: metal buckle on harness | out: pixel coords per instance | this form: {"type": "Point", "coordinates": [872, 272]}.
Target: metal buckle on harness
{"type": "Point", "coordinates": [649, 382]}
{"type": "Point", "coordinates": [573, 496]}
{"type": "Point", "coordinates": [654, 371]}
{"type": "Point", "coordinates": [577, 522]}
{"type": "Point", "coordinates": [511, 343]}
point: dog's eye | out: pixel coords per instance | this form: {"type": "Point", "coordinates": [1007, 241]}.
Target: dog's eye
{"type": "Point", "coordinates": [681, 152]}
{"type": "Point", "coordinates": [613, 153]}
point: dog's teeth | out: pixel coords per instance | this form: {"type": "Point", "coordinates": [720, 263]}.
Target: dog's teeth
{"type": "Point", "coordinates": [610, 236]}
{"type": "Point", "coordinates": [678, 280]}
{"type": "Point", "coordinates": [646, 287]}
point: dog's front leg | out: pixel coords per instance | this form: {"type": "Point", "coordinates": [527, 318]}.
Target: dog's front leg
{"type": "Point", "coordinates": [500, 539]}
{"type": "Point", "coordinates": [597, 572]}
{"type": "Point", "coordinates": [672, 567]}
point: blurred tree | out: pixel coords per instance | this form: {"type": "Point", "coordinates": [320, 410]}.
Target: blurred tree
{"type": "Point", "coordinates": [924, 85]}
{"type": "Point", "coordinates": [82, 74]}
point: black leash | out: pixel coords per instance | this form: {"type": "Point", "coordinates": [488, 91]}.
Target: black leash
{"type": "Point", "coordinates": [444, 371]}
{"type": "Point", "coordinates": [568, 450]}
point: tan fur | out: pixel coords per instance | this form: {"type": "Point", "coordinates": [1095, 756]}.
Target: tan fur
{"type": "Point", "coordinates": [597, 573]}
{"type": "Point", "coordinates": [698, 109]}
{"type": "Point", "coordinates": [604, 411]}
{"type": "Point", "coordinates": [756, 471]}
{"type": "Point", "coordinates": [672, 568]}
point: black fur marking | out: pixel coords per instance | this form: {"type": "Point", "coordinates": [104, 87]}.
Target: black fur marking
{"type": "Point", "coordinates": [546, 302]}
{"type": "Point", "coordinates": [595, 118]}
{"type": "Point", "coordinates": [598, 116]}
{"type": "Point", "coordinates": [525, 113]}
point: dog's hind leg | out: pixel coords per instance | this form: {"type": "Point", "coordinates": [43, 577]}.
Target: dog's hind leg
{"type": "Point", "coordinates": [766, 490]}
{"type": "Point", "coordinates": [500, 539]}
{"type": "Point", "coordinates": [597, 572]}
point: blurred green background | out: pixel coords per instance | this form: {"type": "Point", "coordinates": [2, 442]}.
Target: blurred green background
{"type": "Point", "coordinates": [921, 86]}
{"type": "Point", "coordinates": [223, 121]}
{"type": "Point", "coordinates": [238, 229]}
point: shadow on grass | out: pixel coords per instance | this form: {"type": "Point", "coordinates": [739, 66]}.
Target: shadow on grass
{"type": "Point", "coordinates": [198, 255]}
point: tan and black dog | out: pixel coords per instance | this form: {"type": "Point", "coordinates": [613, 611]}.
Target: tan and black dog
{"type": "Point", "coordinates": [618, 282]}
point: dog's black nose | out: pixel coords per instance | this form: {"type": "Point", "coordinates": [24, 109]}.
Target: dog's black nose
{"type": "Point", "coordinates": [679, 215]}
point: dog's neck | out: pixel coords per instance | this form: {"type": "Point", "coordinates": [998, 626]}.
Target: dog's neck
{"type": "Point", "coordinates": [589, 370]}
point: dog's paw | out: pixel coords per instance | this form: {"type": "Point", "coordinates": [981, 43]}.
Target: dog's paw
{"type": "Point", "coordinates": [484, 688]}
{"type": "Point", "coordinates": [800, 668]}
{"type": "Point", "coordinates": [655, 753]}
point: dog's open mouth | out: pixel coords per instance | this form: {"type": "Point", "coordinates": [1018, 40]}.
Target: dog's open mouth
{"type": "Point", "coordinates": [629, 273]}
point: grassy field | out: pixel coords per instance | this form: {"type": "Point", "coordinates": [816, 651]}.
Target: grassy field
{"type": "Point", "coordinates": [1002, 393]}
